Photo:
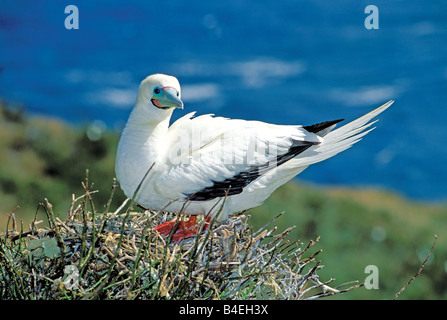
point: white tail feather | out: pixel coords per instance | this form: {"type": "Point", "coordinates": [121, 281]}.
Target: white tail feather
{"type": "Point", "coordinates": [340, 139]}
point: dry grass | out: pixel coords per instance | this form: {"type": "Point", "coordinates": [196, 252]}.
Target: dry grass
{"type": "Point", "coordinates": [118, 255]}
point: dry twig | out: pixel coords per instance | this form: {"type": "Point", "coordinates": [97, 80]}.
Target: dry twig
{"type": "Point", "coordinates": [419, 271]}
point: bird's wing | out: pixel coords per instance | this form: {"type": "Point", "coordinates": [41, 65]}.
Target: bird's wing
{"type": "Point", "coordinates": [209, 157]}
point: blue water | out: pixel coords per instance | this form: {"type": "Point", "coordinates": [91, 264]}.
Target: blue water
{"type": "Point", "coordinates": [285, 62]}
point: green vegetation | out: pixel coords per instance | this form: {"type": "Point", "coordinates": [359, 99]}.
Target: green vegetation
{"type": "Point", "coordinates": [46, 158]}
{"type": "Point", "coordinates": [368, 227]}
{"type": "Point", "coordinates": [117, 255]}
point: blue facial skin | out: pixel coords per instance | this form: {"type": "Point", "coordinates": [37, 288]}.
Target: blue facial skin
{"type": "Point", "coordinates": [166, 97]}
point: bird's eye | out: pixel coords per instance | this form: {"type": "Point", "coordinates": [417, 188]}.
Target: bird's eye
{"type": "Point", "coordinates": [157, 91]}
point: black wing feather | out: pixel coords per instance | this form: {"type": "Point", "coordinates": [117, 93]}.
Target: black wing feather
{"type": "Point", "coordinates": [238, 182]}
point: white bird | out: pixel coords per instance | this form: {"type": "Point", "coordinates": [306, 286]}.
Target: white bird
{"type": "Point", "coordinates": [215, 166]}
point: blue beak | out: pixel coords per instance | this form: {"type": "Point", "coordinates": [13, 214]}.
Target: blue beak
{"type": "Point", "coordinates": [170, 98]}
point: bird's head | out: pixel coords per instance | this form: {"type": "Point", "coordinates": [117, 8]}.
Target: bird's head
{"type": "Point", "coordinates": [160, 91]}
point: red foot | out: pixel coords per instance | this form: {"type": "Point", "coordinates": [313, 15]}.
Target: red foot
{"type": "Point", "coordinates": [183, 229]}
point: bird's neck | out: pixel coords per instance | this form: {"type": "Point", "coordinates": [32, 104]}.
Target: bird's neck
{"type": "Point", "coordinates": [142, 143]}
{"type": "Point", "coordinates": [143, 131]}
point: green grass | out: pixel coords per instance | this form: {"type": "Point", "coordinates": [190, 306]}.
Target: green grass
{"type": "Point", "coordinates": [43, 157]}
{"type": "Point", "coordinates": [117, 255]}
{"type": "Point", "coordinates": [368, 227]}
{"type": "Point", "coordinates": [47, 158]}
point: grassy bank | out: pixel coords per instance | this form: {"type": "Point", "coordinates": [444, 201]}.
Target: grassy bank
{"type": "Point", "coordinates": [46, 158]}
{"type": "Point", "coordinates": [368, 227]}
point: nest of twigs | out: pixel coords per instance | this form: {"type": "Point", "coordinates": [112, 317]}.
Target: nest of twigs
{"type": "Point", "coordinates": [118, 255]}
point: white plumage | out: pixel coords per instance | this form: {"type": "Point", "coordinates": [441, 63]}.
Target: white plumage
{"type": "Point", "coordinates": [198, 162]}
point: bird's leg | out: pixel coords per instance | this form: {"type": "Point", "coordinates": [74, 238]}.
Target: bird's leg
{"type": "Point", "coordinates": [183, 229]}
{"type": "Point", "coordinates": [166, 227]}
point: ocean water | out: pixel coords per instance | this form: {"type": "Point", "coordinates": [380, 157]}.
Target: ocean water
{"type": "Point", "coordinates": [289, 62]}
